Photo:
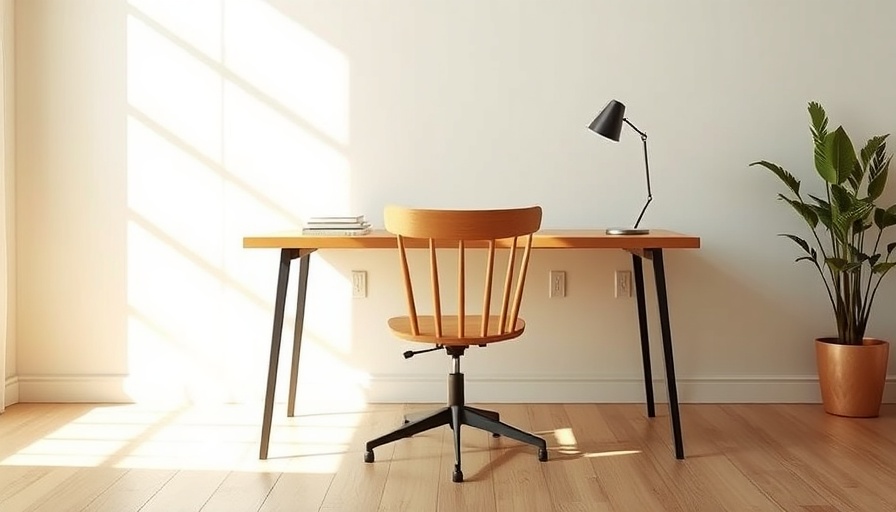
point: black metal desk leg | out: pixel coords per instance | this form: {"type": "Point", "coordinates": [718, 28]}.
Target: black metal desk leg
{"type": "Point", "coordinates": [660, 275]}
{"type": "Point", "coordinates": [297, 333]}
{"type": "Point", "coordinates": [645, 338]}
{"type": "Point", "coordinates": [286, 257]}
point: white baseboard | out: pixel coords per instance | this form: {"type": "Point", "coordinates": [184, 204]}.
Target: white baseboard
{"type": "Point", "coordinates": [11, 393]}
{"type": "Point", "coordinates": [585, 389]}
{"type": "Point", "coordinates": [496, 389]}
{"type": "Point", "coordinates": [73, 388]}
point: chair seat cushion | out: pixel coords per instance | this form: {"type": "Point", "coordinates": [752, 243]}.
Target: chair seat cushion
{"type": "Point", "coordinates": [401, 327]}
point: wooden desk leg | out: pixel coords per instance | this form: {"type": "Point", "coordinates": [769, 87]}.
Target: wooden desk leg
{"type": "Point", "coordinates": [297, 333]}
{"type": "Point", "coordinates": [660, 275]}
{"type": "Point", "coordinates": [645, 338]}
{"type": "Point", "coordinates": [286, 257]}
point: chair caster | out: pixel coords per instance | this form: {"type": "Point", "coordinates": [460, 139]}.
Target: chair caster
{"type": "Point", "coordinates": [542, 454]}
{"type": "Point", "coordinates": [457, 476]}
{"type": "Point", "coordinates": [368, 456]}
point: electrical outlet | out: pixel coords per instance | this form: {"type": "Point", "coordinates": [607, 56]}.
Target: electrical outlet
{"type": "Point", "coordinates": [359, 284]}
{"type": "Point", "coordinates": [623, 286]}
{"type": "Point", "coordinates": [557, 284]}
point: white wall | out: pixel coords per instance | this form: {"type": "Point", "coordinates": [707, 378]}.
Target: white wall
{"type": "Point", "coordinates": [7, 8]}
{"type": "Point", "coordinates": [152, 136]}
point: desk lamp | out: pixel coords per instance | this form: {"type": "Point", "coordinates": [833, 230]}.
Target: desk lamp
{"type": "Point", "coordinates": [609, 124]}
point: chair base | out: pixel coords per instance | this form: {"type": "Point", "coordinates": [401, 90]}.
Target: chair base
{"type": "Point", "coordinates": [419, 415]}
{"type": "Point", "coordinates": [455, 415]}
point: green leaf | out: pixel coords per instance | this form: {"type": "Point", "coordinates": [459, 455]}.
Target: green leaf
{"type": "Point", "coordinates": [788, 179]}
{"type": "Point", "coordinates": [877, 184]}
{"type": "Point", "coordinates": [842, 266]}
{"type": "Point", "coordinates": [879, 160]}
{"type": "Point", "coordinates": [823, 163]}
{"type": "Point", "coordinates": [803, 209]}
{"type": "Point", "coordinates": [884, 219]}
{"type": "Point", "coordinates": [836, 264]}
{"type": "Point", "coordinates": [846, 210]}
{"type": "Point", "coordinates": [835, 157]}
{"type": "Point", "coordinates": [821, 202]}
{"type": "Point", "coordinates": [853, 266]}
{"type": "Point", "coordinates": [840, 153]}
{"type": "Point", "coordinates": [842, 199]}
{"type": "Point", "coordinates": [802, 243]}
{"type": "Point", "coordinates": [883, 268]}
{"type": "Point", "coordinates": [848, 219]}
{"type": "Point", "coordinates": [819, 121]}
{"type": "Point", "coordinates": [884, 163]}
{"type": "Point", "coordinates": [858, 211]}
{"type": "Point", "coordinates": [821, 214]}
{"type": "Point", "coordinates": [861, 225]}
{"type": "Point", "coordinates": [871, 148]}
{"type": "Point", "coordinates": [856, 176]}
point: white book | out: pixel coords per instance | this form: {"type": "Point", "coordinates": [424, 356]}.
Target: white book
{"type": "Point", "coordinates": [336, 219]}
{"type": "Point", "coordinates": [336, 232]}
{"type": "Point", "coordinates": [337, 225]}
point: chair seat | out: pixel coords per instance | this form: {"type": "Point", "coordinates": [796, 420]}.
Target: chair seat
{"type": "Point", "coordinates": [401, 327]}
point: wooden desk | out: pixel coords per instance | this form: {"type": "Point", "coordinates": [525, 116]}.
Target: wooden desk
{"type": "Point", "coordinates": [293, 245]}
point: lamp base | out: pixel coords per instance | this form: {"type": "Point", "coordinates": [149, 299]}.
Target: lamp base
{"type": "Point", "coordinates": [628, 231]}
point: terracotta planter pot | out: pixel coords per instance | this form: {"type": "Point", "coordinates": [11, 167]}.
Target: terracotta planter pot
{"type": "Point", "coordinates": [852, 376]}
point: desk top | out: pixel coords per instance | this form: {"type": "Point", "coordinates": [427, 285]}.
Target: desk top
{"type": "Point", "coordinates": [546, 239]}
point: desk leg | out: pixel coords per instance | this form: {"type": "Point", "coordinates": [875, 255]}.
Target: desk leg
{"type": "Point", "coordinates": [660, 275]}
{"type": "Point", "coordinates": [297, 333]}
{"type": "Point", "coordinates": [286, 257]}
{"type": "Point", "coordinates": [645, 338]}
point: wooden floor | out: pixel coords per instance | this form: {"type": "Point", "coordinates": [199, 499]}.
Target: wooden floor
{"type": "Point", "coordinates": [602, 457]}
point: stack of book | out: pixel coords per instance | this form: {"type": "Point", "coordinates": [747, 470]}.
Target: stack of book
{"type": "Point", "coordinates": [353, 225]}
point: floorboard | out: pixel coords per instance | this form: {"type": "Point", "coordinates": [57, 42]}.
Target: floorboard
{"type": "Point", "coordinates": [602, 457]}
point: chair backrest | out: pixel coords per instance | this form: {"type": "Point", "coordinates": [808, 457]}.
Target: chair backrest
{"type": "Point", "coordinates": [467, 229]}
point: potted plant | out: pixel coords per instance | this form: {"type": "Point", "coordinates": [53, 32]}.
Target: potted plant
{"type": "Point", "coordinates": [847, 250]}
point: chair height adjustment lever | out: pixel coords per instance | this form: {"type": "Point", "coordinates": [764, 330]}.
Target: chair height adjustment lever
{"type": "Point", "coordinates": [411, 353]}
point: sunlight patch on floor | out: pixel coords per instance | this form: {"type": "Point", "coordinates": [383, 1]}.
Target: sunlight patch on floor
{"type": "Point", "coordinates": [198, 438]}
{"type": "Point", "coordinates": [567, 444]}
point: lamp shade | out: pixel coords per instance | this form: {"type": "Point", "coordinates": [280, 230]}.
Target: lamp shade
{"type": "Point", "coordinates": [609, 122]}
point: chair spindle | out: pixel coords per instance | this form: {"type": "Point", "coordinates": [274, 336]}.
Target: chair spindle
{"type": "Point", "coordinates": [436, 299]}
{"type": "Point", "coordinates": [518, 296]}
{"type": "Point", "coordinates": [461, 312]}
{"type": "Point", "coordinates": [487, 299]}
{"type": "Point", "coordinates": [408, 287]}
{"type": "Point", "coordinates": [508, 283]}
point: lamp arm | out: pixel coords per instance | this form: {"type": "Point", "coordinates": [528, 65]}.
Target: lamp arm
{"type": "Point", "coordinates": [646, 169]}
{"type": "Point", "coordinates": [642, 134]}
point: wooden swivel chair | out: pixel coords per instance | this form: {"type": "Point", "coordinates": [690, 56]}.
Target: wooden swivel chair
{"type": "Point", "coordinates": [463, 229]}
